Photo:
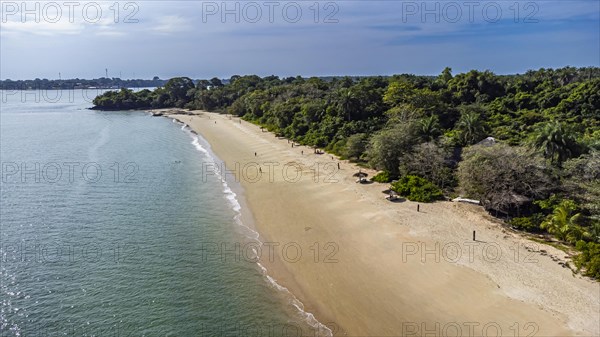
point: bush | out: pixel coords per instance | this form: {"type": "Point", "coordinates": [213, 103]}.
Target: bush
{"type": "Point", "coordinates": [382, 177]}
{"type": "Point", "coordinates": [415, 188]}
{"type": "Point", "coordinates": [428, 160]}
{"type": "Point", "coordinates": [530, 223]}
{"type": "Point", "coordinates": [355, 146]}
{"type": "Point", "coordinates": [588, 259]}
{"type": "Point", "coordinates": [338, 148]}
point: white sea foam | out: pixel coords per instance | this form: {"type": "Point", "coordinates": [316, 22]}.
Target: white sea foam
{"type": "Point", "coordinates": [320, 328]}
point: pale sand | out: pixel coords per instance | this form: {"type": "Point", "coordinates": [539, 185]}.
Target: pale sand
{"type": "Point", "coordinates": [376, 287]}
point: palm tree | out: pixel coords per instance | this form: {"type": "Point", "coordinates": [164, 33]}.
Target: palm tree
{"type": "Point", "coordinates": [471, 128]}
{"type": "Point", "coordinates": [555, 141]}
{"type": "Point", "coordinates": [347, 102]}
{"type": "Point", "coordinates": [429, 128]}
{"type": "Point", "coordinates": [563, 224]}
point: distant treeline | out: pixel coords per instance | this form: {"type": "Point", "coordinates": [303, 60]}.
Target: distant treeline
{"type": "Point", "coordinates": [76, 83]}
{"type": "Point", "coordinates": [101, 83]}
{"type": "Point", "coordinates": [526, 146]}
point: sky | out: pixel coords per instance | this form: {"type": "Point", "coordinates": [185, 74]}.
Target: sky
{"type": "Point", "coordinates": [204, 39]}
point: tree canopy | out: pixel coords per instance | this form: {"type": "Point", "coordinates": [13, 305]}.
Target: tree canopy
{"type": "Point", "coordinates": [525, 145]}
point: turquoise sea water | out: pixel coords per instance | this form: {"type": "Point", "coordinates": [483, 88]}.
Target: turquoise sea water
{"type": "Point", "coordinates": [108, 228]}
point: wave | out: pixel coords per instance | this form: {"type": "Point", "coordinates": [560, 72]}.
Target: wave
{"type": "Point", "coordinates": [320, 328]}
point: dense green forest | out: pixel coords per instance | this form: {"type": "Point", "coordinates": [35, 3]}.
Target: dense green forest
{"type": "Point", "coordinates": [527, 146]}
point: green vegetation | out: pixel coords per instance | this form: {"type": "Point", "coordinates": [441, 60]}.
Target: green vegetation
{"type": "Point", "coordinates": [417, 189]}
{"type": "Point", "coordinates": [564, 223]}
{"type": "Point", "coordinates": [528, 223]}
{"type": "Point", "coordinates": [589, 258]}
{"type": "Point", "coordinates": [527, 146]}
{"type": "Point", "coordinates": [173, 94]}
{"type": "Point", "coordinates": [382, 177]}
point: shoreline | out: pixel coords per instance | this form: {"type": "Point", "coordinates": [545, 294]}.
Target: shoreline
{"type": "Point", "coordinates": [376, 287]}
{"type": "Point", "coordinates": [245, 219]}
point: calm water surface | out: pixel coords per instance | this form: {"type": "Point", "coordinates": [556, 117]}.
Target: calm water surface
{"type": "Point", "coordinates": [108, 229]}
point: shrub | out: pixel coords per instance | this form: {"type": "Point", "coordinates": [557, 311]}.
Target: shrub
{"type": "Point", "coordinates": [355, 146]}
{"type": "Point", "coordinates": [338, 148]}
{"type": "Point", "coordinates": [415, 188]}
{"type": "Point", "coordinates": [382, 177]}
{"type": "Point", "coordinates": [428, 160]}
{"type": "Point", "coordinates": [530, 223]}
{"type": "Point", "coordinates": [588, 259]}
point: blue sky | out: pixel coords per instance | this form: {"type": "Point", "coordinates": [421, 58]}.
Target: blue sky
{"type": "Point", "coordinates": [203, 39]}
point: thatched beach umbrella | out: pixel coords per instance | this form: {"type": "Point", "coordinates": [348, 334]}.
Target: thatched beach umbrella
{"type": "Point", "coordinates": [391, 194]}
{"type": "Point", "coordinates": [360, 174]}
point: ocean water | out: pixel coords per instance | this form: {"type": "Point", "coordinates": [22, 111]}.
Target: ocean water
{"type": "Point", "coordinates": [110, 225]}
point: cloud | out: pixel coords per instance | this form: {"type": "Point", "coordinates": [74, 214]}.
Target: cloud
{"type": "Point", "coordinates": [171, 24]}
{"type": "Point", "coordinates": [48, 18]}
{"type": "Point", "coordinates": [374, 37]}
{"type": "Point", "coordinates": [109, 31]}
{"type": "Point", "coordinates": [41, 28]}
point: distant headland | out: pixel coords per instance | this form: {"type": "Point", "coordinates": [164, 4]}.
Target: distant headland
{"type": "Point", "coordinates": [77, 83]}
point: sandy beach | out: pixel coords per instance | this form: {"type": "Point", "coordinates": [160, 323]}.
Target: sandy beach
{"type": "Point", "coordinates": [365, 266]}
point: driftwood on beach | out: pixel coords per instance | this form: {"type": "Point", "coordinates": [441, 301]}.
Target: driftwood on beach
{"type": "Point", "coordinates": [470, 201]}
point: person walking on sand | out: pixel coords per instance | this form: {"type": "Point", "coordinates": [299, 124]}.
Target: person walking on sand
{"type": "Point", "coordinates": [255, 154]}
{"type": "Point", "coordinates": [302, 151]}
{"type": "Point", "coordinates": [418, 207]}
{"type": "Point", "coordinates": [338, 166]}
